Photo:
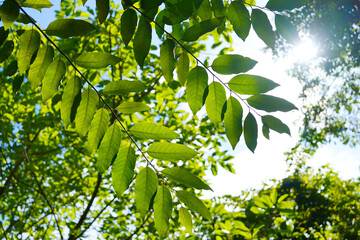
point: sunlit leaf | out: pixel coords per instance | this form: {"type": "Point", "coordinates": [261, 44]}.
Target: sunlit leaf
{"type": "Point", "coordinates": [132, 107]}
{"type": "Point", "coordinates": [170, 151]}
{"type": "Point", "coordinates": [183, 176]}
{"type": "Point", "coordinates": [215, 102]}
{"type": "Point", "coordinates": [233, 121]}
{"type": "Point", "coordinates": [109, 146]}
{"type": "Point", "coordinates": [146, 184]}
{"type": "Point", "coordinates": [38, 69]}
{"type": "Point", "coordinates": [194, 203]}
{"type": "Point", "coordinates": [98, 127]}
{"type": "Point", "coordinates": [102, 9]}
{"type": "Point", "coordinates": [232, 64]}
{"type": "Point", "coordinates": [148, 130]}
{"type": "Point", "coordinates": [54, 73]}
{"type": "Point", "coordinates": [275, 124]}
{"type": "Point", "coordinates": [195, 88]}
{"type": "Point", "coordinates": [96, 60]}
{"type": "Point", "coordinates": [182, 68]}
{"type": "Point", "coordinates": [286, 29]}
{"type": "Point", "coordinates": [6, 50]}
{"type": "Point", "coordinates": [29, 42]}
{"type": "Point", "coordinates": [239, 18]}
{"type": "Point", "coordinates": [85, 111]}
{"type": "Point", "coordinates": [128, 25]}
{"type": "Point", "coordinates": [162, 210]}
{"type": "Point", "coordinates": [37, 4]}
{"type": "Point", "coordinates": [262, 27]}
{"type": "Point", "coordinates": [250, 132]}
{"type": "Point", "coordinates": [251, 84]}
{"type": "Point", "coordinates": [270, 103]}
{"type": "Point", "coordinates": [167, 59]}
{"type": "Point", "coordinates": [123, 87]}
{"type": "Point", "coordinates": [185, 219]}
{"type": "Point", "coordinates": [122, 171]}
{"type": "Point", "coordinates": [9, 12]}
{"type": "Point", "coordinates": [195, 32]}
{"type": "Point", "coordinates": [65, 28]}
{"type": "Point", "coordinates": [71, 90]}
{"type": "Point", "coordinates": [281, 5]}
{"type": "Point", "coordinates": [142, 41]}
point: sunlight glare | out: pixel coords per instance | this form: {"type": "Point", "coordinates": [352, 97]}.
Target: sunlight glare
{"type": "Point", "coordinates": [304, 52]}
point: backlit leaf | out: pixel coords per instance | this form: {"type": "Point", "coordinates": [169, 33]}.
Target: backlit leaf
{"type": "Point", "coordinates": [29, 42]}
{"type": "Point", "coordinates": [232, 64]}
{"type": "Point", "coordinates": [185, 219]}
{"type": "Point", "coordinates": [233, 121]}
{"type": "Point", "coordinates": [9, 12]}
{"type": "Point", "coordinates": [109, 146]}
{"type": "Point", "coordinates": [205, 11]}
{"type": "Point", "coordinates": [170, 151]}
{"type": "Point", "coordinates": [286, 29]}
{"type": "Point", "coordinates": [251, 84]}
{"type": "Point", "coordinates": [65, 28]}
{"type": "Point", "coordinates": [146, 184]}
{"type": "Point", "coordinates": [183, 176]}
{"type": "Point", "coordinates": [266, 131]}
{"type": "Point", "coordinates": [98, 127]}
{"type": "Point", "coordinates": [132, 107]}
{"type": "Point", "coordinates": [37, 4]}
{"type": "Point", "coordinates": [167, 60]}
{"type": "Point", "coordinates": [193, 203]}
{"type": "Point", "coordinates": [102, 9]}
{"type": "Point", "coordinates": [71, 90]}
{"type": "Point", "coordinates": [239, 18]}
{"type": "Point", "coordinates": [162, 210]}
{"type": "Point", "coordinates": [6, 50]}
{"type": "Point", "coordinates": [38, 69]}
{"type": "Point", "coordinates": [128, 25]}
{"type": "Point", "coordinates": [85, 111]}
{"type": "Point", "coordinates": [123, 87]}
{"type": "Point", "coordinates": [270, 103]}
{"type": "Point", "coordinates": [195, 88]}
{"type": "Point", "coordinates": [250, 132]}
{"type": "Point", "coordinates": [142, 41]}
{"type": "Point", "coordinates": [123, 169]}
{"type": "Point", "coordinates": [262, 27]}
{"type": "Point", "coordinates": [281, 5]}
{"type": "Point", "coordinates": [96, 60]}
{"type": "Point", "coordinates": [275, 124]}
{"type": "Point", "coordinates": [215, 102]}
{"type": "Point", "coordinates": [54, 73]}
{"type": "Point", "coordinates": [193, 33]}
{"type": "Point", "coordinates": [182, 68]}
{"type": "Point", "coordinates": [148, 130]}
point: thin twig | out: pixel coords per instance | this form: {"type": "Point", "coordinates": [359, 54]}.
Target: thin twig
{"type": "Point", "coordinates": [139, 227]}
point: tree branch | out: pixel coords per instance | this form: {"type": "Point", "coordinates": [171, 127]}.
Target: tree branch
{"type": "Point", "coordinates": [11, 175]}
{"type": "Point", "coordinates": [139, 227]}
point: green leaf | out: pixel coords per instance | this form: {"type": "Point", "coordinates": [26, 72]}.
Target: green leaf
{"type": "Point", "coordinates": [132, 107]}
{"type": "Point", "coordinates": [250, 132]}
{"type": "Point", "coordinates": [65, 28]}
{"type": "Point", "coordinates": [251, 84]}
{"type": "Point", "coordinates": [29, 42]}
{"type": "Point", "coordinates": [37, 4]}
{"type": "Point", "coordinates": [123, 87]}
{"type": "Point", "coordinates": [128, 25]}
{"type": "Point", "coordinates": [286, 29]}
{"type": "Point", "coordinates": [177, 11]}
{"type": "Point", "coordinates": [71, 90]}
{"type": "Point", "coordinates": [41, 63]}
{"type": "Point", "coordinates": [98, 127]}
{"type": "Point", "coordinates": [159, 29]}
{"type": "Point", "coordinates": [102, 9]}
{"type": "Point", "coordinates": [9, 12]}
{"type": "Point", "coordinates": [145, 187]}
{"type": "Point", "coordinates": [195, 88]}
{"type": "Point", "coordinates": [10, 69]}
{"type": "Point", "coordinates": [162, 210]}
{"type": "Point", "coordinates": [123, 169]}
{"type": "Point", "coordinates": [266, 131]}
{"type": "Point", "coordinates": [233, 121]}
{"type": "Point", "coordinates": [3, 35]}
{"type": "Point", "coordinates": [142, 41]}
{"type": "Point", "coordinates": [167, 60]}
{"type": "Point", "coordinates": [193, 203]}
{"type": "Point", "coordinates": [96, 60]}
{"type": "Point", "coordinates": [183, 176]}
{"type": "Point", "coordinates": [281, 5]}
{"type": "Point", "coordinates": [85, 111]}
{"type": "Point", "coordinates": [270, 103]}
{"type": "Point", "coordinates": [148, 130]}
{"type": "Point", "coordinates": [215, 102]}
{"type": "Point", "coordinates": [185, 219]}
{"type": "Point", "coordinates": [6, 50]}
{"type": "Point", "coordinates": [170, 151]}
{"type": "Point", "coordinates": [262, 27]}
{"type": "Point", "coordinates": [54, 73]}
{"type": "Point", "coordinates": [239, 18]}
{"type": "Point", "coordinates": [218, 8]}
{"type": "Point", "coordinates": [232, 64]}
{"type": "Point", "coordinates": [150, 4]}
{"type": "Point", "coordinates": [205, 11]}
{"type": "Point", "coordinates": [18, 80]}
{"type": "Point", "coordinates": [193, 33]}
{"type": "Point", "coordinates": [182, 68]}
{"type": "Point", "coordinates": [109, 146]}
{"type": "Point", "coordinates": [275, 124]}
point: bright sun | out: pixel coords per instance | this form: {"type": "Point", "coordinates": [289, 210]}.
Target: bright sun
{"type": "Point", "coordinates": [304, 52]}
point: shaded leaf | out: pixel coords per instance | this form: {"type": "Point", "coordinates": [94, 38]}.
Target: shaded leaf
{"type": "Point", "coordinates": [18, 80]}
{"type": "Point", "coordinates": [270, 103]}
{"type": "Point", "coordinates": [162, 210]}
{"type": "Point", "coordinates": [128, 25]}
{"type": "Point", "coordinates": [109, 146]}
{"type": "Point", "coordinates": [132, 107]}
{"type": "Point", "coordinates": [170, 151]}
{"type": "Point", "coordinates": [185, 219]}
{"type": "Point", "coordinates": [250, 132]}
{"type": "Point", "coordinates": [122, 171]}
{"type": "Point", "coordinates": [123, 87]}
{"type": "Point", "coordinates": [71, 90]}
{"type": "Point", "coordinates": [3, 35]}
{"type": "Point", "coordinates": [195, 88]}
{"type": "Point", "coordinates": [85, 111]}
{"type": "Point", "coordinates": [146, 184]}
{"type": "Point", "coordinates": [251, 84]}
{"type": "Point", "coordinates": [193, 33]}
{"type": "Point", "coordinates": [98, 127]}
{"type": "Point", "coordinates": [29, 42]}
{"type": "Point", "coordinates": [148, 130]}
{"type": "Point", "coordinates": [232, 64]}
{"type": "Point", "coordinates": [96, 60]}
{"type": "Point", "coordinates": [142, 41]}
{"type": "Point", "coordinates": [167, 59]}
{"type": "Point", "coordinates": [275, 124]}
{"type": "Point", "coordinates": [6, 50]}
{"type": "Point", "coordinates": [281, 5]}
{"type": "Point", "coordinates": [266, 131]}
{"type": "Point", "coordinates": [182, 68]}
{"type": "Point", "coordinates": [177, 11]}
{"type": "Point", "coordinates": [150, 4]}
{"type": "Point", "coordinates": [193, 203]}
{"type": "Point", "coordinates": [65, 28]}
{"type": "Point", "coordinates": [233, 121]}
{"type": "Point", "coordinates": [9, 12]}
{"type": "Point", "coordinates": [54, 73]}
{"type": "Point", "coordinates": [218, 8]}
{"type": "Point", "coordinates": [183, 176]}
{"type": "Point", "coordinates": [239, 18]}
{"type": "Point", "coordinates": [215, 102]}
{"type": "Point", "coordinates": [262, 27]}
{"type": "Point", "coordinates": [102, 9]}
{"type": "Point", "coordinates": [205, 11]}
{"type": "Point", "coordinates": [41, 63]}
{"type": "Point", "coordinates": [286, 29]}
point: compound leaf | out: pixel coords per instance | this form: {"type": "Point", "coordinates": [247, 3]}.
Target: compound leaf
{"type": "Point", "coordinates": [96, 60]}
{"type": "Point", "coordinates": [29, 43]}
{"type": "Point", "coordinates": [38, 69]}
{"type": "Point", "coordinates": [270, 103]}
{"type": "Point", "coordinates": [232, 64]}
{"type": "Point", "coordinates": [193, 203]}
{"type": "Point", "coordinates": [71, 91]}
{"type": "Point", "coordinates": [65, 28]}
{"type": "Point", "coordinates": [146, 184]}
{"type": "Point", "coordinates": [128, 25]}
{"type": "Point", "coordinates": [54, 73]}
{"type": "Point", "coordinates": [262, 27]}
{"type": "Point", "coordinates": [148, 130]}
{"type": "Point", "coordinates": [85, 111]}
{"type": "Point", "coordinates": [215, 102]}
{"type": "Point", "coordinates": [233, 121]}
{"type": "Point", "coordinates": [239, 18]}
{"type": "Point", "coordinates": [132, 107]}
{"type": "Point", "coordinates": [123, 87]}
{"type": "Point", "coordinates": [275, 124]}
{"type": "Point", "coordinates": [142, 41]}
{"type": "Point", "coordinates": [170, 151]}
{"type": "Point", "coordinates": [98, 127]}
{"type": "Point", "coordinates": [250, 132]}
{"type": "Point", "coordinates": [183, 176]}
{"type": "Point", "coordinates": [195, 88]}
{"type": "Point", "coordinates": [167, 60]}
{"type": "Point", "coordinates": [251, 84]}
{"type": "Point", "coordinates": [162, 210]}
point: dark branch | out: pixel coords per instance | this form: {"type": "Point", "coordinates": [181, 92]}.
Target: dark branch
{"type": "Point", "coordinates": [139, 227]}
